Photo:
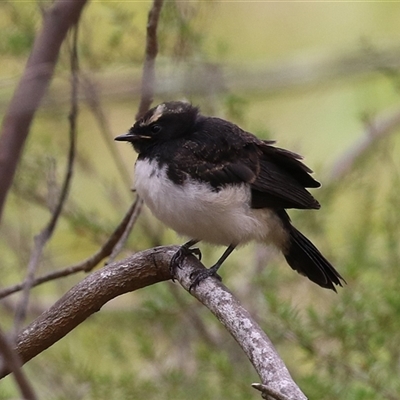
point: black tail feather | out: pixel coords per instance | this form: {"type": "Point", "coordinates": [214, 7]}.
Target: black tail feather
{"type": "Point", "coordinates": [307, 260]}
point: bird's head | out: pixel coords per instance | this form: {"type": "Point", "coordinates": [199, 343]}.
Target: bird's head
{"type": "Point", "coordinates": [164, 122]}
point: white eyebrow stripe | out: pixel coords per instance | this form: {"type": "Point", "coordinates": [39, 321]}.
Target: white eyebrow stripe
{"type": "Point", "coordinates": [158, 112]}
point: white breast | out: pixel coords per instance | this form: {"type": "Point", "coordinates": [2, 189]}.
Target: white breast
{"type": "Point", "coordinates": [195, 210]}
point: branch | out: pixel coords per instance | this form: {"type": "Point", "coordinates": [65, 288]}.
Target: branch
{"type": "Point", "coordinates": [147, 268]}
{"type": "Point", "coordinates": [33, 86]}
{"type": "Point", "coordinates": [248, 334]}
{"type": "Point", "coordinates": [375, 130]}
{"type": "Point", "coordinates": [88, 296]}
{"type": "Point", "coordinates": [148, 77]}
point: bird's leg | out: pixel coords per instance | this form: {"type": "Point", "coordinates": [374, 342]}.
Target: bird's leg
{"type": "Point", "coordinates": [203, 274]}
{"type": "Point", "coordinates": [183, 251]}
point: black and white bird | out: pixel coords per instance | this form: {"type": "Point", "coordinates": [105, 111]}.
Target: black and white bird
{"type": "Point", "coordinates": [211, 181]}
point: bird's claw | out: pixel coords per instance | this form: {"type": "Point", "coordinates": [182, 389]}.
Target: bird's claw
{"type": "Point", "coordinates": [199, 276]}
{"type": "Point", "coordinates": [196, 252]}
{"type": "Point", "coordinates": [179, 256]}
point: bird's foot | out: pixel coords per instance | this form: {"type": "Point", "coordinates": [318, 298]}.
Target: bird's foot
{"type": "Point", "coordinates": [178, 258]}
{"type": "Point", "coordinates": [199, 276]}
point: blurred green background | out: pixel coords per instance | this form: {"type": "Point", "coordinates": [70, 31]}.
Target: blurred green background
{"type": "Point", "coordinates": [317, 77]}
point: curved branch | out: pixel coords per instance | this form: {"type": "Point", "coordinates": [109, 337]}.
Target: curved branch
{"type": "Point", "coordinates": [239, 323]}
{"type": "Point", "coordinates": [88, 296]}
{"type": "Point", "coordinates": [147, 268]}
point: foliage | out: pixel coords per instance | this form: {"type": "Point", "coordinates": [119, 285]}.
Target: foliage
{"type": "Point", "coordinates": [159, 343]}
{"type": "Point", "coordinates": [17, 27]}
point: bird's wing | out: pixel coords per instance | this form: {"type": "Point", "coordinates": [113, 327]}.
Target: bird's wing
{"type": "Point", "coordinates": [214, 163]}
{"type": "Point", "coordinates": [282, 180]}
{"type": "Point", "coordinates": [222, 153]}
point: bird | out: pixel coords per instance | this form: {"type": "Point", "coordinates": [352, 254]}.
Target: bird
{"type": "Point", "coordinates": [211, 181]}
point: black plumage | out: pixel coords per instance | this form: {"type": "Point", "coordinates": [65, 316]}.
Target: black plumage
{"type": "Point", "coordinates": [218, 154]}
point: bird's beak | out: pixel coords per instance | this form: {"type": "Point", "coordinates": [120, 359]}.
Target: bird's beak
{"type": "Point", "coordinates": [126, 137]}
{"type": "Point", "coordinates": [130, 137]}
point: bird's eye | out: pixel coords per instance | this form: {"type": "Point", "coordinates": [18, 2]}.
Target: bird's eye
{"type": "Point", "coordinates": [155, 128]}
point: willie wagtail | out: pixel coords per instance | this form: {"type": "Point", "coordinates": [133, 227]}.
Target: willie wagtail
{"type": "Point", "coordinates": [208, 179]}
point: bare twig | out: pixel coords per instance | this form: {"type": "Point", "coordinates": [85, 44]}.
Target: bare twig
{"type": "Point", "coordinates": [13, 363]}
{"type": "Point", "coordinates": [85, 265]}
{"type": "Point", "coordinates": [267, 392]}
{"type": "Point", "coordinates": [129, 226]}
{"type": "Point", "coordinates": [375, 130]}
{"type": "Point", "coordinates": [32, 87]}
{"type": "Point", "coordinates": [148, 77]}
{"type": "Point", "coordinates": [43, 237]}
{"type": "Point", "coordinates": [143, 269]}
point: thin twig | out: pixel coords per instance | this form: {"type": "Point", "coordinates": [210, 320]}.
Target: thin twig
{"type": "Point", "coordinates": [148, 77]}
{"type": "Point", "coordinates": [85, 265]}
{"type": "Point", "coordinates": [129, 226]}
{"type": "Point", "coordinates": [43, 237]}
{"type": "Point", "coordinates": [13, 363]}
{"type": "Point", "coordinates": [267, 392]}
